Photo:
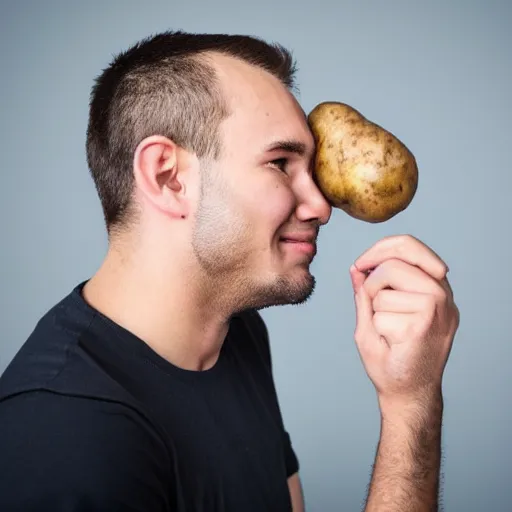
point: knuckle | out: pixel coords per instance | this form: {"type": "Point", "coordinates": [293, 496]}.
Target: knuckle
{"type": "Point", "coordinates": [402, 247]}
{"type": "Point", "coordinates": [387, 239]}
{"type": "Point", "coordinates": [406, 241]}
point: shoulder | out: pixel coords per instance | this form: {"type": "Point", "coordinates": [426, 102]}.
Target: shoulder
{"type": "Point", "coordinates": [45, 352]}
{"type": "Point", "coordinates": [67, 449]}
{"type": "Point", "coordinates": [71, 353]}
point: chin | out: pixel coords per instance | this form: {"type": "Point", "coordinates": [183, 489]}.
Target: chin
{"type": "Point", "coordinates": [284, 290]}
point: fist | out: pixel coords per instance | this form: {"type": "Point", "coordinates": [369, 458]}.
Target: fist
{"type": "Point", "coordinates": [406, 317]}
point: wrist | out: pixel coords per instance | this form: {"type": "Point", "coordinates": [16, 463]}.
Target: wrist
{"type": "Point", "coordinates": [418, 410]}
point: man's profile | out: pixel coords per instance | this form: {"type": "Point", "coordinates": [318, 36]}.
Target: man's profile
{"type": "Point", "coordinates": [149, 387]}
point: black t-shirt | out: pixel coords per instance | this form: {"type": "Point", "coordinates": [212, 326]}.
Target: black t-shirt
{"type": "Point", "coordinates": [91, 418]}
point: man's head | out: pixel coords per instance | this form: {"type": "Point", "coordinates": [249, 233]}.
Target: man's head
{"type": "Point", "coordinates": [163, 85]}
{"type": "Point", "coordinates": [201, 134]}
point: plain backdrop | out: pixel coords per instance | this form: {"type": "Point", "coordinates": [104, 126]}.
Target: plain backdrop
{"type": "Point", "coordinates": [437, 74]}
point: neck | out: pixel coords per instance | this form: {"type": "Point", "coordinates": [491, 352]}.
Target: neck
{"type": "Point", "coordinates": [166, 305]}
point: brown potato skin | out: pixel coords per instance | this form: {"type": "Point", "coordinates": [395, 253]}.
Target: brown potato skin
{"type": "Point", "coordinates": [359, 166]}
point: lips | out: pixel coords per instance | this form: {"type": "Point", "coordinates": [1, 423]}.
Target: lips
{"type": "Point", "coordinates": [301, 242]}
{"type": "Point", "coordinates": [300, 237]}
{"type": "Point", "coordinates": [297, 241]}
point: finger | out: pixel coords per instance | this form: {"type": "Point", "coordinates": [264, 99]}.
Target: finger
{"type": "Point", "coordinates": [393, 327]}
{"type": "Point", "coordinates": [406, 248]}
{"type": "Point", "coordinates": [365, 334]}
{"type": "Point", "coordinates": [403, 277]}
{"type": "Point", "coordinates": [357, 278]}
{"type": "Point", "coordinates": [391, 301]}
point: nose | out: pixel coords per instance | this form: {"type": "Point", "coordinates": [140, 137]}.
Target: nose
{"type": "Point", "coordinates": [312, 204]}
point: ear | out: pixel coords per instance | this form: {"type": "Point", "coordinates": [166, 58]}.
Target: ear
{"type": "Point", "coordinates": [160, 170]}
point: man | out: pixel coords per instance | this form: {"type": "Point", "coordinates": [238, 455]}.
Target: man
{"type": "Point", "coordinates": [150, 386]}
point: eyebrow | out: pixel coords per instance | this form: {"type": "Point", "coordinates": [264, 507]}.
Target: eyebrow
{"type": "Point", "coordinates": [290, 146]}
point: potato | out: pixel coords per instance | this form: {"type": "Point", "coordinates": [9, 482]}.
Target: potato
{"type": "Point", "coordinates": [360, 167]}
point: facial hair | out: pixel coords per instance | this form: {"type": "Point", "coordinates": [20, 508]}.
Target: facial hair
{"type": "Point", "coordinates": [221, 242]}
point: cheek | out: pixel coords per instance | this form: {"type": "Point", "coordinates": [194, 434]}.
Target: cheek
{"type": "Point", "coordinates": [271, 204]}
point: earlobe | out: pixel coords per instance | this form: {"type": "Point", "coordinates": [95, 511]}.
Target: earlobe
{"type": "Point", "coordinates": [159, 178]}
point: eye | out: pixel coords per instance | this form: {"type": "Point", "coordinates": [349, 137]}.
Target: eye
{"type": "Point", "coordinates": [279, 163]}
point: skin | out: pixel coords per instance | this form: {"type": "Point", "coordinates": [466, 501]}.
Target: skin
{"type": "Point", "coordinates": [206, 245]}
{"type": "Point", "coordinates": [406, 323]}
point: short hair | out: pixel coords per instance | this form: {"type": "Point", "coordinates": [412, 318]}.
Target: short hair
{"type": "Point", "coordinates": [162, 86]}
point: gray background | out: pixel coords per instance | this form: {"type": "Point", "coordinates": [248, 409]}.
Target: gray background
{"type": "Point", "coordinates": [437, 74]}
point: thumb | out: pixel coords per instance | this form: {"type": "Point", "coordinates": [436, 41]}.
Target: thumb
{"type": "Point", "coordinates": [357, 277]}
{"type": "Point", "coordinates": [366, 336]}
{"type": "Point", "coordinates": [364, 311]}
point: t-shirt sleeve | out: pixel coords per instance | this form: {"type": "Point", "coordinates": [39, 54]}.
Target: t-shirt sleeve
{"type": "Point", "coordinates": [72, 454]}
{"type": "Point", "coordinates": [260, 329]}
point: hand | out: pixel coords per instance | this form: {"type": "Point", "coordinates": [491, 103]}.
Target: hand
{"type": "Point", "coordinates": [406, 318]}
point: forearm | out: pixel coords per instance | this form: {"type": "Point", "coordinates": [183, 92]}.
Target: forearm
{"type": "Point", "coordinates": [407, 464]}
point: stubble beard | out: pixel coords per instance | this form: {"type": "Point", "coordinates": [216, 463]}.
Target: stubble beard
{"type": "Point", "coordinates": [285, 291]}
{"type": "Point", "coordinates": [220, 242]}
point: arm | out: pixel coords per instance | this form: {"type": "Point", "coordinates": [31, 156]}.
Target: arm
{"type": "Point", "coordinates": [296, 494]}
{"type": "Point", "coordinates": [407, 464]}
{"type": "Point", "coordinates": [406, 323]}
